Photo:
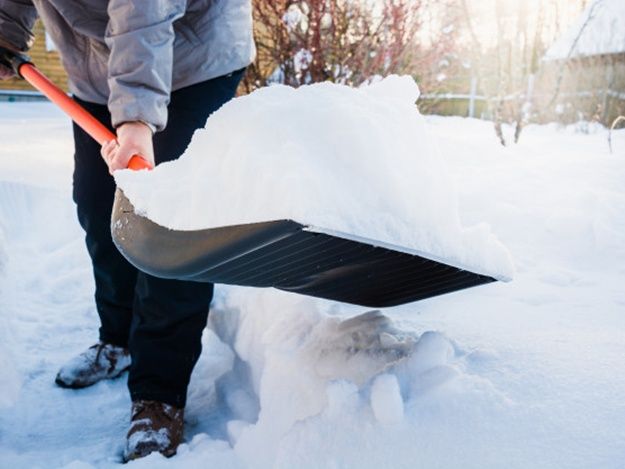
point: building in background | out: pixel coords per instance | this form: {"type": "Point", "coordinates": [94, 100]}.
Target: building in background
{"type": "Point", "coordinates": [47, 60]}
{"type": "Point", "coordinates": [586, 65]}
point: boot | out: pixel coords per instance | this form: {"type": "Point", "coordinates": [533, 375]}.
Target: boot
{"type": "Point", "coordinates": [154, 426]}
{"type": "Point", "coordinates": [98, 362]}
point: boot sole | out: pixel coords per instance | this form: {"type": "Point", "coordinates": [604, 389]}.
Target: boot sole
{"type": "Point", "coordinates": [62, 384]}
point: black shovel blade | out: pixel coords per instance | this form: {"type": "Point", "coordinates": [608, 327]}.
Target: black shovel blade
{"type": "Point", "coordinates": [287, 255]}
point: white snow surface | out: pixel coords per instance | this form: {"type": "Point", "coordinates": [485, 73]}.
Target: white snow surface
{"type": "Point", "coordinates": [10, 383]}
{"type": "Point", "coordinates": [358, 161]}
{"type": "Point", "coordinates": [600, 29]}
{"type": "Point", "coordinates": [522, 374]}
{"type": "Point", "coordinates": [3, 249]}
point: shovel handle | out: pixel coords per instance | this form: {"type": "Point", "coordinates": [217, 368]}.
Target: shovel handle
{"type": "Point", "coordinates": [78, 114]}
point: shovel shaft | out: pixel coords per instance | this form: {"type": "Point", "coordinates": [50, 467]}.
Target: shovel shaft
{"type": "Point", "coordinates": [78, 114]}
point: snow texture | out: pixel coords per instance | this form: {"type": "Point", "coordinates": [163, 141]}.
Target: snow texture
{"type": "Point", "coordinates": [386, 400]}
{"type": "Point", "coordinates": [9, 381]}
{"type": "Point", "coordinates": [358, 161]}
{"type": "Point", "coordinates": [600, 29]}
{"type": "Point", "coordinates": [518, 375]}
{"type": "Point", "coordinates": [3, 249]}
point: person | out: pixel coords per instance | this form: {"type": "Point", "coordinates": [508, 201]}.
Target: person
{"type": "Point", "coordinates": [154, 73]}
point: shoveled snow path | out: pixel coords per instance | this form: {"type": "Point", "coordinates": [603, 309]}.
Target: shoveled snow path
{"type": "Point", "coordinates": [48, 303]}
{"type": "Point", "coordinates": [537, 373]}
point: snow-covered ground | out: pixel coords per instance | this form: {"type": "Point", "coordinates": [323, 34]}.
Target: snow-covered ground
{"type": "Point", "coordinates": [524, 374]}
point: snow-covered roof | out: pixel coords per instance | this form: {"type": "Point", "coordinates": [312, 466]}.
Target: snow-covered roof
{"type": "Point", "coordinates": [599, 30]}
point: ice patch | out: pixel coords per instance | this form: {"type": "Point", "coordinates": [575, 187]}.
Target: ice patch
{"type": "Point", "coordinates": [359, 161]}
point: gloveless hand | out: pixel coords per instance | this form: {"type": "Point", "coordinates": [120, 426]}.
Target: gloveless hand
{"type": "Point", "coordinates": [133, 138]}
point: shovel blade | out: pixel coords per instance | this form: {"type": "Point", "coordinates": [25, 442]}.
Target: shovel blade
{"type": "Point", "coordinates": [287, 255]}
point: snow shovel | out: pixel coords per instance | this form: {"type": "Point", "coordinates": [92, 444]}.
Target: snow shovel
{"type": "Point", "coordinates": [283, 254]}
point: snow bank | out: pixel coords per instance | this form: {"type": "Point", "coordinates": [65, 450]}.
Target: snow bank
{"type": "Point", "coordinates": [299, 382]}
{"type": "Point", "coordinates": [359, 161]}
{"type": "Point", "coordinates": [600, 29]}
{"type": "Point", "coordinates": [311, 386]}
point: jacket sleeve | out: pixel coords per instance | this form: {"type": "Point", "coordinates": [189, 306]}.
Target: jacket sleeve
{"type": "Point", "coordinates": [140, 36]}
{"type": "Point", "coordinates": [17, 18]}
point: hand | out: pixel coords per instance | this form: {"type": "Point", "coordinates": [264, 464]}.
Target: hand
{"type": "Point", "coordinates": [133, 138]}
{"type": "Point", "coordinates": [6, 73]}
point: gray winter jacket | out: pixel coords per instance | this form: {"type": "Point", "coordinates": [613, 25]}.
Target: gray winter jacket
{"type": "Point", "coordinates": [132, 53]}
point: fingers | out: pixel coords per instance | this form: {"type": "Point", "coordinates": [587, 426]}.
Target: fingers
{"type": "Point", "coordinates": [116, 156]}
{"type": "Point", "coordinates": [6, 73]}
{"type": "Point", "coordinates": [133, 138]}
{"type": "Point", "coordinates": [120, 157]}
{"type": "Point", "coordinates": [108, 149]}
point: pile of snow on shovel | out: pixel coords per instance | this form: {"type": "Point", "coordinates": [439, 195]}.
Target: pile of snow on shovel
{"type": "Point", "coordinates": [359, 161]}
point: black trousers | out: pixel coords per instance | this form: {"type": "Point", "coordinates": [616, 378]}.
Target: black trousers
{"type": "Point", "coordinates": [161, 321]}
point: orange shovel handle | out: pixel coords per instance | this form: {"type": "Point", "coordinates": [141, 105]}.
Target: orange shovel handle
{"type": "Point", "coordinates": [78, 114]}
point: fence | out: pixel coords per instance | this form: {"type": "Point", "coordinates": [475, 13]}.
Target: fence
{"type": "Point", "coordinates": [609, 103]}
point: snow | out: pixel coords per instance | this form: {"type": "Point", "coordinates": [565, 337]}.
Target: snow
{"type": "Point", "coordinates": [524, 374]}
{"type": "Point", "coordinates": [600, 29]}
{"type": "Point", "coordinates": [386, 401]}
{"type": "Point", "coordinates": [296, 17]}
{"type": "Point", "coordinates": [160, 437]}
{"type": "Point", "coordinates": [357, 161]}
{"type": "Point", "coordinates": [3, 249]}
{"type": "Point", "coordinates": [10, 383]}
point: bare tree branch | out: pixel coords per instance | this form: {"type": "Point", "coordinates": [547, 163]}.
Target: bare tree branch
{"type": "Point", "coordinates": [616, 122]}
{"type": "Point", "coordinates": [565, 61]}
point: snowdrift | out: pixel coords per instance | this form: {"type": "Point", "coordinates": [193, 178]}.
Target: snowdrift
{"type": "Point", "coordinates": [358, 161]}
{"type": "Point", "coordinates": [284, 372]}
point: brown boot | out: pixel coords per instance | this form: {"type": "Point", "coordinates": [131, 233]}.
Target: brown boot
{"type": "Point", "coordinates": [154, 426]}
{"type": "Point", "coordinates": [98, 362]}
